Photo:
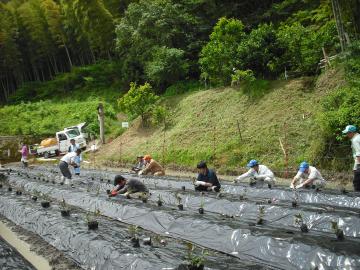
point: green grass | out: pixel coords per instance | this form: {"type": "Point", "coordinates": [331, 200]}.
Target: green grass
{"type": "Point", "coordinates": [47, 117]}
{"type": "Point", "coordinates": [203, 126]}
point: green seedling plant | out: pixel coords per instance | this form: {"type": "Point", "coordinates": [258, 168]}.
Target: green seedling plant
{"type": "Point", "coordinates": [243, 195]}
{"type": "Point", "coordinates": [261, 214]}
{"type": "Point", "coordinates": [338, 232]}
{"type": "Point", "coordinates": [179, 199]}
{"type": "Point", "coordinates": [134, 233]}
{"type": "Point", "coordinates": [160, 200]}
{"type": "Point", "coordinates": [299, 221]}
{"type": "Point", "coordinates": [202, 204]}
{"type": "Point", "coordinates": [296, 198]}
{"type": "Point", "coordinates": [65, 211]}
{"type": "Point", "coordinates": [193, 260]}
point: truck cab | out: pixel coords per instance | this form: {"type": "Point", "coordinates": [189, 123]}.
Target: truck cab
{"type": "Point", "coordinates": [64, 137]}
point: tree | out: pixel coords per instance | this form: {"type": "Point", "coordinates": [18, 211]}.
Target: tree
{"type": "Point", "coordinates": [166, 67]}
{"type": "Point", "coordinates": [218, 56]}
{"type": "Point", "coordinates": [138, 101]}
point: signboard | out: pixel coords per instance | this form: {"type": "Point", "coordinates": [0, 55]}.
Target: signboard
{"type": "Point", "coordinates": [125, 124]}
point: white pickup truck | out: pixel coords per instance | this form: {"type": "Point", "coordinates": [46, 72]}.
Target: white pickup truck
{"type": "Point", "coordinates": [63, 142]}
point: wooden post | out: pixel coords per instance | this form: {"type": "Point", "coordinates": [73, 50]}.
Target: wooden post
{"type": "Point", "coordinates": [101, 116]}
{"type": "Point", "coordinates": [285, 151]}
{"type": "Point", "coordinates": [326, 58]}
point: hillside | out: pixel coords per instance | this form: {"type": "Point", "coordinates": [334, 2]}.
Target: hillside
{"type": "Point", "coordinates": [203, 126]}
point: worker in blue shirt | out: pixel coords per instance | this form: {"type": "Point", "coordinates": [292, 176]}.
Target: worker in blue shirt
{"type": "Point", "coordinates": [207, 179]}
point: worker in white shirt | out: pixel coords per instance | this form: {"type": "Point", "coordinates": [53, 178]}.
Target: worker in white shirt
{"type": "Point", "coordinates": [65, 162]}
{"type": "Point", "coordinates": [307, 176]}
{"type": "Point", "coordinates": [351, 132]}
{"type": "Point", "coordinates": [73, 146]}
{"type": "Point", "coordinates": [258, 172]}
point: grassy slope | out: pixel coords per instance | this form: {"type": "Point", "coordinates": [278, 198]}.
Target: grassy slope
{"type": "Point", "coordinates": [195, 116]}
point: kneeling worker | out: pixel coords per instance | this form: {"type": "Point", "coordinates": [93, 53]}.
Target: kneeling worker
{"type": "Point", "coordinates": [152, 167]}
{"type": "Point", "coordinates": [207, 179]}
{"type": "Point", "coordinates": [139, 165]}
{"type": "Point", "coordinates": [127, 187]}
{"type": "Point", "coordinates": [307, 176]}
{"type": "Point", "coordinates": [258, 172]}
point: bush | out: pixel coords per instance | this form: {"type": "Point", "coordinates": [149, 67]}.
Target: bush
{"type": "Point", "coordinates": [246, 76]}
{"type": "Point", "coordinates": [219, 56]}
{"type": "Point", "coordinates": [138, 101]}
{"type": "Point", "coordinates": [167, 66]}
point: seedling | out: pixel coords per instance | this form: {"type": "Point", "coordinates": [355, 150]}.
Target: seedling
{"type": "Point", "coordinates": [160, 200]}
{"type": "Point", "coordinates": [243, 195]}
{"type": "Point", "coordinates": [155, 183]}
{"type": "Point", "coordinates": [202, 204]}
{"type": "Point", "coordinates": [338, 232]}
{"type": "Point", "coordinates": [91, 218]}
{"type": "Point", "coordinates": [294, 203]}
{"type": "Point", "coordinates": [65, 211]}
{"type": "Point", "coordinates": [194, 261]}
{"type": "Point", "coordinates": [179, 199]}
{"type": "Point", "coordinates": [133, 231]}
{"type": "Point", "coordinates": [261, 214]}
{"type": "Point", "coordinates": [45, 200]}
{"type": "Point", "coordinates": [183, 187]}
{"type": "Point", "coordinates": [35, 195]}
{"type": "Point", "coordinates": [298, 220]}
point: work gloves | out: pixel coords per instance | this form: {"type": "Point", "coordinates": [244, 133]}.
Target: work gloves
{"type": "Point", "coordinates": [199, 183]}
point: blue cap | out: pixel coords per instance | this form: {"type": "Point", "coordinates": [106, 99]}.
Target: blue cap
{"type": "Point", "coordinates": [303, 166]}
{"type": "Point", "coordinates": [349, 128]}
{"type": "Point", "coordinates": [252, 163]}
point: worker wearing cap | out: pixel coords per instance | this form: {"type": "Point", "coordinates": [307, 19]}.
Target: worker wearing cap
{"type": "Point", "coordinates": [127, 187]}
{"type": "Point", "coordinates": [351, 132]}
{"type": "Point", "coordinates": [65, 162]}
{"type": "Point", "coordinates": [307, 176]}
{"type": "Point", "coordinates": [207, 179]}
{"type": "Point", "coordinates": [152, 167]}
{"type": "Point", "coordinates": [258, 172]}
{"type": "Point", "coordinates": [139, 165]}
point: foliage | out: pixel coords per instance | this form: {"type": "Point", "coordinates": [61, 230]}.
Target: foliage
{"type": "Point", "coordinates": [246, 76]}
{"type": "Point", "coordinates": [303, 45]}
{"type": "Point", "coordinates": [218, 57]}
{"type": "Point", "coordinates": [167, 65]}
{"type": "Point", "coordinates": [160, 114]}
{"type": "Point", "coordinates": [48, 117]}
{"type": "Point", "coordinates": [260, 51]}
{"type": "Point", "coordinates": [138, 101]}
{"type": "Point", "coordinates": [194, 259]}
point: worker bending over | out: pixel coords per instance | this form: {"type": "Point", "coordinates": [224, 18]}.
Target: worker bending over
{"type": "Point", "coordinates": [152, 167]}
{"type": "Point", "coordinates": [68, 160]}
{"type": "Point", "coordinates": [127, 187]}
{"type": "Point", "coordinates": [207, 179]}
{"type": "Point", "coordinates": [258, 172]}
{"type": "Point", "coordinates": [307, 176]}
{"type": "Point", "coordinates": [139, 165]}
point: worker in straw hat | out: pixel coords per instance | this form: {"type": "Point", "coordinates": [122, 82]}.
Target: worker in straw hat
{"type": "Point", "coordinates": [152, 167]}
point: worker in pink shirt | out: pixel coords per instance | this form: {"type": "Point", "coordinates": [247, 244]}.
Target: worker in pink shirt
{"type": "Point", "coordinates": [24, 154]}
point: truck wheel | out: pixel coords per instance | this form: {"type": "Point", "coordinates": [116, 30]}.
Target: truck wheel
{"type": "Point", "coordinates": [46, 155]}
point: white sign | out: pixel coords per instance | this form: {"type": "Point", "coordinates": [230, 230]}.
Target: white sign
{"type": "Point", "coordinates": [125, 124]}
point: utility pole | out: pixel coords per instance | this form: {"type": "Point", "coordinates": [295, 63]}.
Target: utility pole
{"type": "Point", "coordinates": [339, 24]}
{"type": "Point", "coordinates": [101, 116]}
